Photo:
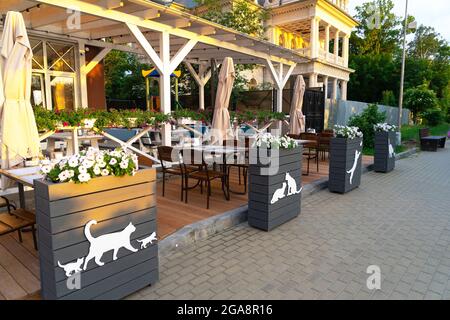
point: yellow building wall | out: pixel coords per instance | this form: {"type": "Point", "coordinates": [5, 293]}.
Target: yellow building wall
{"type": "Point", "coordinates": [288, 39]}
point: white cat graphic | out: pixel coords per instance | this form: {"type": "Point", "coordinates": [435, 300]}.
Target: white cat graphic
{"type": "Point", "coordinates": [355, 164]}
{"type": "Point", "coordinates": [391, 150]}
{"type": "Point", "coordinates": [292, 185]}
{"type": "Point", "coordinates": [112, 241]}
{"type": "Point", "coordinates": [72, 268]}
{"type": "Point", "coordinates": [279, 194]}
{"type": "Point", "coordinates": [148, 240]}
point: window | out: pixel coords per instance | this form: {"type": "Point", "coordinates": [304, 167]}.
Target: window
{"type": "Point", "coordinates": [281, 40]}
{"type": "Point", "coordinates": [54, 75]}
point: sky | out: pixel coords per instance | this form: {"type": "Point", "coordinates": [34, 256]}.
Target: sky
{"type": "Point", "coordinates": [434, 13]}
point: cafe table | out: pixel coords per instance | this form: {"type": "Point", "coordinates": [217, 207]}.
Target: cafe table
{"type": "Point", "coordinates": [72, 141]}
{"type": "Point", "coordinates": [24, 178]}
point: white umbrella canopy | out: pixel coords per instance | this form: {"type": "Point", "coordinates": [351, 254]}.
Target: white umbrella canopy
{"type": "Point", "coordinates": [18, 132]}
{"type": "Point", "coordinates": [221, 127]}
{"type": "Point", "coordinates": [297, 119]}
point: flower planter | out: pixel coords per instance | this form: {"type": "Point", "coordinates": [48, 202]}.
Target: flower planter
{"type": "Point", "coordinates": [384, 157]}
{"type": "Point", "coordinates": [345, 165]}
{"type": "Point", "coordinates": [274, 199]}
{"type": "Point", "coordinates": [125, 211]}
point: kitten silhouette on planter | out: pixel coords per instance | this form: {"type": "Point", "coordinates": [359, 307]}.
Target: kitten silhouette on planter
{"type": "Point", "coordinates": [72, 267]}
{"type": "Point", "coordinates": [112, 241]}
{"type": "Point", "coordinates": [292, 185]}
{"type": "Point", "coordinates": [279, 194]}
{"type": "Point", "coordinates": [149, 240]}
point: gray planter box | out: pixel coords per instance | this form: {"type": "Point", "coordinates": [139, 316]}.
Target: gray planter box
{"type": "Point", "coordinates": [342, 164]}
{"type": "Point", "coordinates": [271, 201]}
{"type": "Point", "coordinates": [384, 157]}
{"type": "Point", "coordinates": [125, 211]}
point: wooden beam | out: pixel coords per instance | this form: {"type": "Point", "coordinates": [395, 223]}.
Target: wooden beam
{"type": "Point", "coordinates": [148, 14]}
{"type": "Point", "coordinates": [111, 4]}
{"type": "Point", "coordinates": [181, 54]}
{"type": "Point", "coordinates": [177, 23]}
{"type": "Point", "coordinates": [99, 57]}
{"type": "Point", "coordinates": [96, 10]}
{"type": "Point", "coordinates": [146, 46]}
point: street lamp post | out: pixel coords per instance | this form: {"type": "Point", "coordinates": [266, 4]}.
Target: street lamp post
{"type": "Point", "coordinates": [402, 77]}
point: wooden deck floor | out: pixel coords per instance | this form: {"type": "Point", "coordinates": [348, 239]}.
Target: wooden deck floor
{"type": "Point", "coordinates": [19, 263]}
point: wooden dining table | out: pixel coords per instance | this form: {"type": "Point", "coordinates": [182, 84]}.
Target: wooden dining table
{"type": "Point", "coordinates": [25, 178]}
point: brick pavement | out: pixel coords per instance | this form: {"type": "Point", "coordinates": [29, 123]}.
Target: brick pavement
{"type": "Point", "coordinates": [398, 221]}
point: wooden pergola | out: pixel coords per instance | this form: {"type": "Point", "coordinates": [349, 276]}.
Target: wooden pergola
{"type": "Point", "coordinates": [168, 35]}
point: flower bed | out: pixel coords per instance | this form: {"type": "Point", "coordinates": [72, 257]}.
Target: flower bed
{"type": "Point", "coordinates": [82, 167]}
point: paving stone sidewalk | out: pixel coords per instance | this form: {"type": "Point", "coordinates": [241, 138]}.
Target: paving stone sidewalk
{"type": "Point", "coordinates": [398, 221]}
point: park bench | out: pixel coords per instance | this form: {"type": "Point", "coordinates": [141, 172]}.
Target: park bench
{"type": "Point", "coordinates": [430, 143]}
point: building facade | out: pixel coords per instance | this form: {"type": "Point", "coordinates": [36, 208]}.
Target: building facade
{"type": "Point", "coordinates": [319, 29]}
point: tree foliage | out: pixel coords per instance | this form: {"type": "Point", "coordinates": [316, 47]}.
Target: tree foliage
{"type": "Point", "coordinates": [420, 99]}
{"type": "Point", "coordinates": [123, 77]}
{"type": "Point", "coordinates": [365, 122]}
{"type": "Point", "coordinates": [242, 16]}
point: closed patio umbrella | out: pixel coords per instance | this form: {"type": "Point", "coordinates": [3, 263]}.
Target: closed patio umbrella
{"type": "Point", "coordinates": [18, 131]}
{"type": "Point", "coordinates": [297, 119]}
{"type": "Point", "coordinates": [221, 128]}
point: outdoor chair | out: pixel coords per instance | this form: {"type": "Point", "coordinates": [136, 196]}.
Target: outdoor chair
{"type": "Point", "coordinates": [204, 175]}
{"type": "Point", "coordinates": [430, 143]}
{"type": "Point", "coordinates": [311, 150]}
{"type": "Point", "coordinates": [165, 156]}
{"type": "Point", "coordinates": [16, 220]}
{"type": "Point", "coordinates": [324, 143]}
{"type": "Point", "coordinates": [240, 161]}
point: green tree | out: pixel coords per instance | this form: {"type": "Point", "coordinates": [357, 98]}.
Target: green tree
{"type": "Point", "coordinates": [365, 122]}
{"type": "Point", "coordinates": [123, 76]}
{"type": "Point", "coordinates": [379, 30]}
{"type": "Point", "coordinates": [374, 74]}
{"type": "Point", "coordinates": [243, 16]}
{"type": "Point", "coordinates": [420, 99]}
{"type": "Point", "coordinates": [427, 43]}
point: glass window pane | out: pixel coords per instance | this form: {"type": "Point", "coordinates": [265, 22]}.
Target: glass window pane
{"type": "Point", "coordinates": [61, 57]}
{"type": "Point", "coordinates": [38, 54]}
{"type": "Point", "coordinates": [62, 93]}
{"type": "Point", "coordinates": [37, 90]}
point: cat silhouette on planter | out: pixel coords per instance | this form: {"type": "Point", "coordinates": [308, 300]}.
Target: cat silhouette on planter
{"type": "Point", "coordinates": [112, 241]}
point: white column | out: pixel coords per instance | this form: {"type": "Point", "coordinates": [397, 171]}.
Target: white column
{"type": "Point", "coordinates": [344, 90]}
{"type": "Point", "coordinates": [164, 85]}
{"type": "Point", "coordinates": [314, 38]}
{"type": "Point", "coordinates": [345, 48]}
{"type": "Point", "coordinates": [83, 78]}
{"type": "Point", "coordinates": [280, 79]}
{"type": "Point", "coordinates": [336, 45]}
{"type": "Point", "coordinates": [201, 78]}
{"type": "Point", "coordinates": [325, 83]}
{"type": "Point", "coordinates": [335, 89]}
{"type": "Point", "coordinates": [327, 39]}
{"type": "Point", "coordinates": [313, 80]}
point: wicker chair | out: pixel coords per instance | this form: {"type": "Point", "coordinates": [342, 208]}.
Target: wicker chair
{"type": "Point", "coordinates": [238, 162]}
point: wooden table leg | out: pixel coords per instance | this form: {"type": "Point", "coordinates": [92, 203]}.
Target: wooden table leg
{"type": "Point", "coordinates": [22, 202]}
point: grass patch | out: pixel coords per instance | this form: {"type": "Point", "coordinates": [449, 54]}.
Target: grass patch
{"type": "Point", "coordinates": [371, 151]}
{"type": "Point", "coordinates": [412, 132]}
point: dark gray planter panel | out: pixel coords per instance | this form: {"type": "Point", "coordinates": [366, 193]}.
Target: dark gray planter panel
{"type": "Point", "coordinates": [342, 160]}
{"type": "Point", "coordinates": [116, 203]}
{"type": "Point", "coordinates": [384, 157]}
{"type": "Point", "coordinates": [270, 201]}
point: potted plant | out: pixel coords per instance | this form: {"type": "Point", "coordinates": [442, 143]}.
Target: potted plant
{"type": "Point", "coordinates": [274, 181]}
{"type": "Point", "coordinates": [384, 156]}
{"type": "Point", "coordinates": [96, 217]}
{"type": "Point", "coordinates": [345, 159]}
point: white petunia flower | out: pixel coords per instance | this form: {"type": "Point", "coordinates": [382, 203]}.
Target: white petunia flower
{"type": "Point", "coordinates": [84, 177]}
{"type": "Point", "coordinates": [113, 161]}
{"type": "Point", "coordinates": [73, 161]}
{"type": "Point", "coordinates": [105, 172]}
{"type": "Point", "coordinates": [82, 169]}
